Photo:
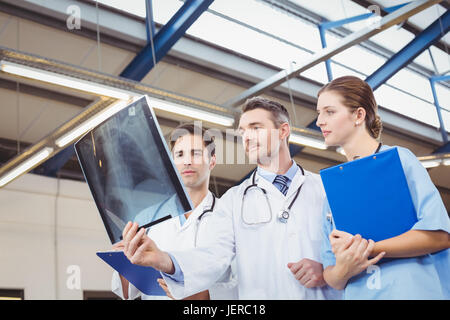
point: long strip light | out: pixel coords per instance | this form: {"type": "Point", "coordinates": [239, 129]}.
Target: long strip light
{"type": "Point", "coordinates": [87, 86]}
{"type": "Point", "coordinates": [123, 96]}
{"type": "Point", "coordinates": [307, 141]}
{"type": "Point", "coordinates": [62, 80]}
{"type": "Point", "coordinates": [90, 124]}
{"type": "Point", "coordinates": [156, 103]}
{"type": "Point", "coordinates": [431, 163]}
{"type": "Point", "coordinates": [26, 165]}
{"type": "Point", "coordinates": [191, 112]}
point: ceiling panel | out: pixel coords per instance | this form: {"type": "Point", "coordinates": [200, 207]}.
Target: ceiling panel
{"type": "Point", "coordinates": [31, 117]}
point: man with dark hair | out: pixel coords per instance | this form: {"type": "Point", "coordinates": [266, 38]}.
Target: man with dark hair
{"type": "Point", "coordinates": [193, 151]}
{"type": "Point", "coordinates": [271, 222]}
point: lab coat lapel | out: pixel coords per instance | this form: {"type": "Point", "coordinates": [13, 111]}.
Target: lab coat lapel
{"type": "Point", "coordinates": [206, 203]}
{"type": "Point", "coordinates": [298, 180]}
{"type": "Point", "coordinates": [268, 186]}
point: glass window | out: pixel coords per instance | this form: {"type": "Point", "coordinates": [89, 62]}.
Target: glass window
{"type": "Point", "coordinates": [271, 35]}
{"type": "Point", "coordinates": [407, 105]}
{"type": "Point", "coordinates": [412, 82]}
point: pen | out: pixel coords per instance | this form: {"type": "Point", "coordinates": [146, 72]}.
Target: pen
{"type": "Point", "coordinates": [145, 226]}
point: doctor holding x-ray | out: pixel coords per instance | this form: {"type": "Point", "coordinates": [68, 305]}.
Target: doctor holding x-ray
{"type": "Point", "coordinates": [271, 224]}
{"type": "Point", "coordinates": [193, 152]}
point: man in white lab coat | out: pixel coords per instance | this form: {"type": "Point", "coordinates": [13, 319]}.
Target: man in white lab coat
{"type": "Point", "coordinates": [194, 156]}
{"type": "Point", "coordinates": [271, 223]}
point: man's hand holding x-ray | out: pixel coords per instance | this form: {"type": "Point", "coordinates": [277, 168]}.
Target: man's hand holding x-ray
{"type": "Point", "coordinates": [142, 250]}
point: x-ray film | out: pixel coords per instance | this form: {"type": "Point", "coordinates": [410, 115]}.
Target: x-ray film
{"type": "Point", "coordinates": [129, 170]}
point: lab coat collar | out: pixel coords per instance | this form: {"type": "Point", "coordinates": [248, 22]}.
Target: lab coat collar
{"type": "Point", "coordinates": [296, 182]}
{"type": "Point", "coordinates": [265, 184]}
{"type": "Point", "coordinates": [204, 205]}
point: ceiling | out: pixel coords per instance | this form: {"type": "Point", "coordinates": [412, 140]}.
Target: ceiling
{"type": "Point", "coordinates": [31, 110]}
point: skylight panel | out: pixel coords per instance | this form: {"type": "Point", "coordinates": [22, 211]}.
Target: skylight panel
{"type": "Point", "coordinates": [407, 105]}
{"type": "Point", "coordinates": [412, 82]}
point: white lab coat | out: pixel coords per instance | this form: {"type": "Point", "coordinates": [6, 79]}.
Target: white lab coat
{"type": "Point", "coordinates": [262, 252]}
{"type": "Point", "coordinates": [171, 235]}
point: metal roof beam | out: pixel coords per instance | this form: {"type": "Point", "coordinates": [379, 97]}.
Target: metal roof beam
{"type": "Point", "coordinates": [157, 47]}
{"type": "Point", "coordinates": [406, 25]}
{"type": "Point", "coordinates": [124, 30]}
{"type": "Point", "coordinates": [165, 39]}
{"type": "Point", "coordinates": [352, 39]}
{"type": "Point", "coordinates": [421, 42]}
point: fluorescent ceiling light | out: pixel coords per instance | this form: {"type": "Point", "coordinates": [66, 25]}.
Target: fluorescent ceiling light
{"type": "Point", "coordinates": [155, 103]}
{"type": "Point", "coordinates": [191, 112]}
{"type": "Point", "coordinates": [431, 163]}
{"type": "Point", "coordinates": [26, 165]}
{"type": "Point", "coordinates": [87, 86]}
{"type": "Point", "coordinates": [122, 95]}
{"type": "Point", "coordinates": [62, 80]}
{"type": "Point", "coordinates": [307, 141]}
{"type": "Point", "coordinates": [90, 123]}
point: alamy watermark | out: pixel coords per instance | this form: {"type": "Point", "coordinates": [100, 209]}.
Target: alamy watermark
{"type": "Point", "coordinates": [73, 21]}
{"type": "Point", "coordinates": [73, 281]}
{"type": "Point", "coordinates": [374, 281]}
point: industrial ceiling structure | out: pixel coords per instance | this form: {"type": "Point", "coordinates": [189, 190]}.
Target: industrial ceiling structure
{"type": "Point", "coordinates": [66, 65]}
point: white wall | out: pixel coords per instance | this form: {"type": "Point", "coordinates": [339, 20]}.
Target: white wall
{"type": "Point", "coordinates": [33, 251]}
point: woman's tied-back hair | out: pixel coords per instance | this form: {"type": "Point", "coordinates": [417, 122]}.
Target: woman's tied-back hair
{"type": "Point", "coordinates": [357, 93]}
{"type": "Point", "coordinates": [193, 129]}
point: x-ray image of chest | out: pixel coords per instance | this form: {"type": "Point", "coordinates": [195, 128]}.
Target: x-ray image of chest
{"type": "Point", "coordinates": [128, 177]}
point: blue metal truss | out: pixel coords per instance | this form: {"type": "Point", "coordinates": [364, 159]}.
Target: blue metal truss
{"type": "Point", "coordinates": [326, 25]}
{"type": "Point", "coordinates": [421, 42]}
{"type": "Point", "coordinates": [433, 80]}
{"type": "Point", "coordinates": [51, 167]}
{"type": "Point", "coordinates": [163, 41]}
{"type": "Point", "coordinates": [443, 149]}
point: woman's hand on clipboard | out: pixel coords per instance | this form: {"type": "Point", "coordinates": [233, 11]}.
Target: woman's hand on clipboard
{"type": "Point", "coordinates": [352, 257]}
{"type": "Point", "coordinates": [338, 239]}
{"type": "Point", "coordinates": [142, 250]}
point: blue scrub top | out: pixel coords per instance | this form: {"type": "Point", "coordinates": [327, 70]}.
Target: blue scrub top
{"type": "Point", "coordinates": [424, 277]}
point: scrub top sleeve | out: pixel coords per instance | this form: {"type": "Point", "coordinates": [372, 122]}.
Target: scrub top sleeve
{"type": "Point", "coordinates": [431, 212]}
{"type": "Point", "coordinates": [327, 256]}
{"type": "Point", "coordinates": [178, 275]}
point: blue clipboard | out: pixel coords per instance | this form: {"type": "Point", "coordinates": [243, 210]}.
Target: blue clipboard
{"type": "Point", "coordinates": [370, 196]}
{"type": "Point", "coordinates": [143, 278]}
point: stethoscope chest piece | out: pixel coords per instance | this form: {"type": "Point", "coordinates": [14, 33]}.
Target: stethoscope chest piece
{"type": "Point", "coordinates": [283, 216]}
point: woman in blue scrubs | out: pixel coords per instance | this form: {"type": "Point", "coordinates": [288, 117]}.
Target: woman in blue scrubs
{"type": "Point", "coordinates": [413, 265]}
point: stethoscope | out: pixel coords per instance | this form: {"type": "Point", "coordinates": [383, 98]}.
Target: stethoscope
{"type": "Point", "coordinates": [210, 209]}
{"type": "Point", "coordinates": [329, 215]}
{"type": "Point", "coordinates": [199, 219]}
{"type": "Point", "coordinates": [283, 215]}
